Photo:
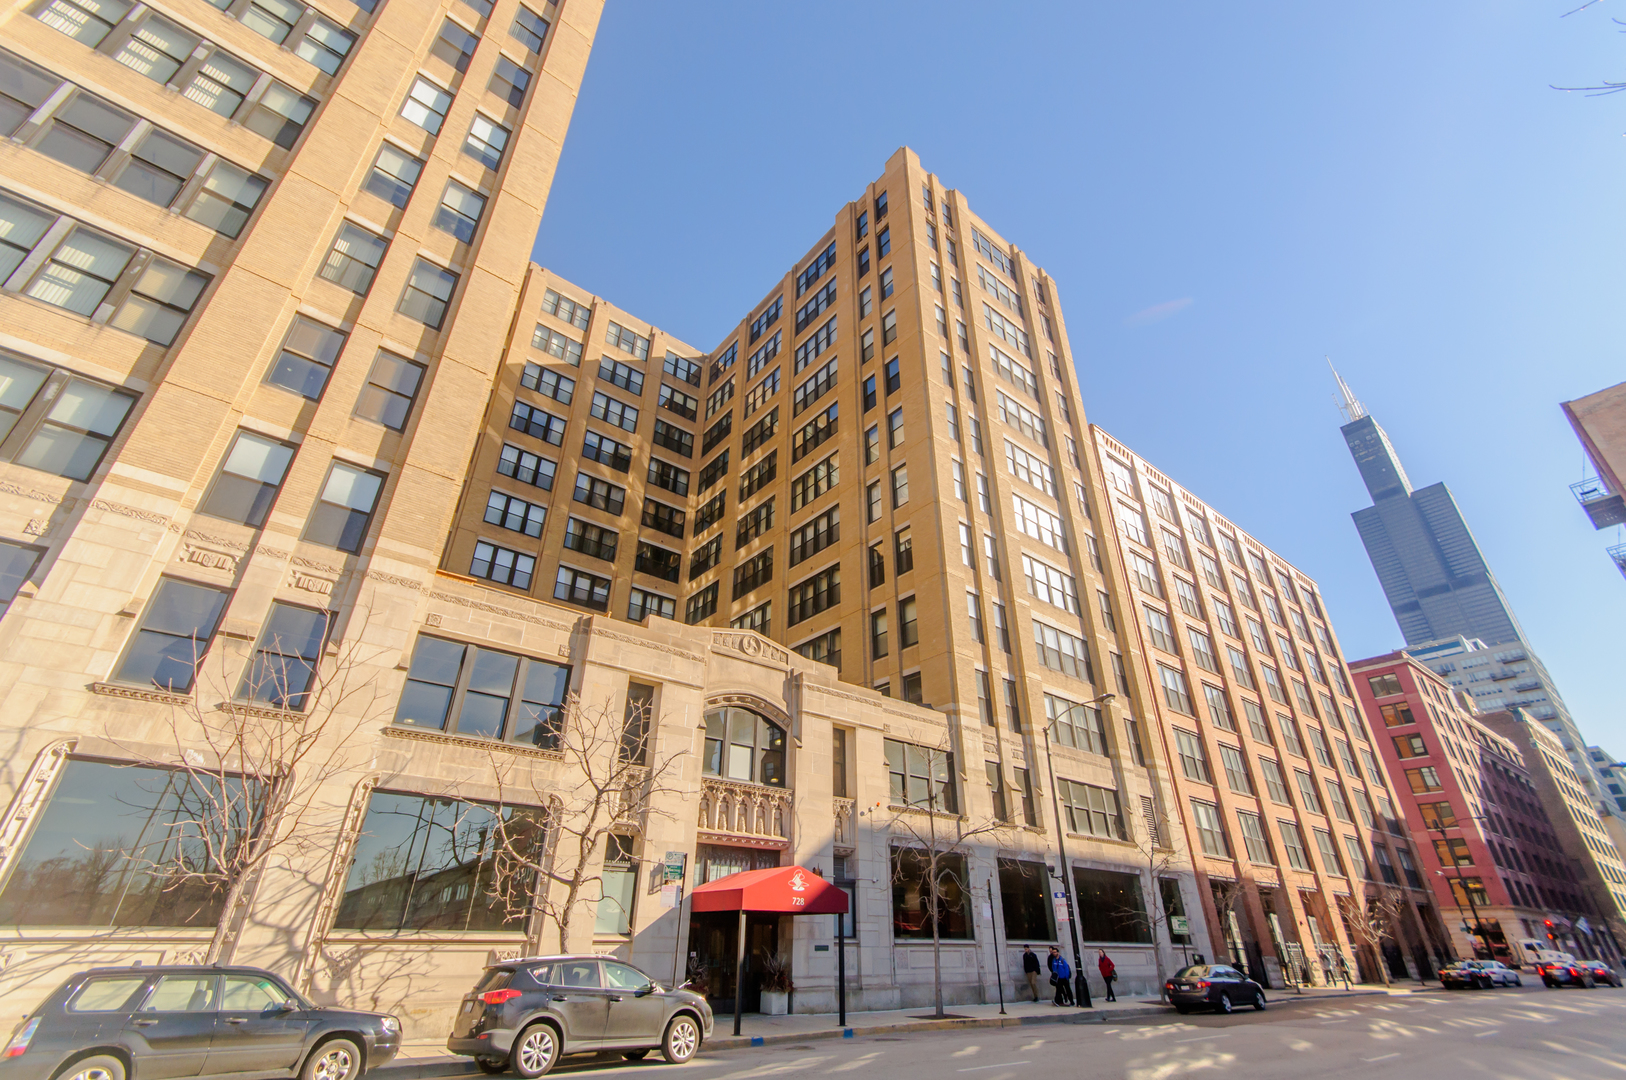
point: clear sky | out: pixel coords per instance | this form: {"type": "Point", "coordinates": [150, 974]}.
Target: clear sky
{"type": "Point", "coordinates": [1225, 193]}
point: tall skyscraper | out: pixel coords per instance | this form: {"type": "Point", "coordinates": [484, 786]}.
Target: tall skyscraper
{"type": "Point", "coordinates": [1441, 589]}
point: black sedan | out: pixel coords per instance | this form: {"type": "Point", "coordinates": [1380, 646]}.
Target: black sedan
{"type": "Point", "coordinates": [1217, 986]}
{"type": "Point", "coordinates": [160, 1023]}
{"type": "Point", "coordinates": [1602, 972]}
{"type": "Point", "coordinates": [1567, 973]}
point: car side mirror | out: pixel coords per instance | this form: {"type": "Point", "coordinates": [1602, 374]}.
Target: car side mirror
{"type": "Point", "coordinates": [645, 990]}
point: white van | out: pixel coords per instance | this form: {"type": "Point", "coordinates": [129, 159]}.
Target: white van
{"type": "Point", "coordinates": [1537, 951]}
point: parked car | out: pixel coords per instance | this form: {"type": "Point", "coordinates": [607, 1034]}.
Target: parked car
{"type": "Point", "coordinates": [1216, 985]}
{"type": "Point", "coordinates": [1478, 975]}
{"type": "Point", "coordinates": [154, 1023]}
{"type": "Point", "coordinates": [1571, 972]}
{"type": "Point", "coordinates": [1602, 972]}
{"type": "Point", "coordinates": [526, 1014]}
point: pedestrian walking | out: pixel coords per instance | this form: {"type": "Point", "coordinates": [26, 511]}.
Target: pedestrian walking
{"type": "Point", "coordinates": [1109, 973]}
{"type": "Point", "coordinates": [1061, 975]}
{"type": "Point", "coordinates": [1030, 968]}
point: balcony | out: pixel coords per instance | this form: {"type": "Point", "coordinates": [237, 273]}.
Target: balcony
{"type": "Point", "coordinates": [1603, 506]}
{"type": "Point", "coordinates": [1618, 553]}
{"type": "Point", "coordinates": [744, 815]}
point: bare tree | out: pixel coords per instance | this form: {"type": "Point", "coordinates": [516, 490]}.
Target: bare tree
{"type": "Point", "coordinates": [1157, 854]}
{"type": "Point", "coordinates": [607, 781]}
{"type": "Point", "coordinates": [936, 830]}
{"type": "Point", "coordinates": [1373, 919]}
{"type": "Point", "coordinates": [244, 771]}
{"type": "Point", "coordinates": [1227, 893]}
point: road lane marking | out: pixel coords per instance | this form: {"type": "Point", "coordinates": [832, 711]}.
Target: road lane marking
{"type": "Point", "coordinates": [1205, 1038]}
{"type": "Point", "coordinates": [1383, 1057]}
{"type": "Point", "coordinates": [1482, 1034]}
{"type": "Point", "coordinates": [1004, 1065]}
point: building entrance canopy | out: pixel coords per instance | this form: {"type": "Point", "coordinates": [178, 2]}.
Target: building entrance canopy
{"type": "Point", "coordinates": [786, 890]}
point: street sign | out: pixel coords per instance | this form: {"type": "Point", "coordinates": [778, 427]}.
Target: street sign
{"type": "Point", "coordinates": [675, 861]}
{"type": "Point", "coordinates": [1179, 924]}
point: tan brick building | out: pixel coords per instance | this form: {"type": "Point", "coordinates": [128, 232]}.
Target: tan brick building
{"type": "Point", "coordinates": [289, 434]}
{"type": "Point", "coordinates": [1288, 812]}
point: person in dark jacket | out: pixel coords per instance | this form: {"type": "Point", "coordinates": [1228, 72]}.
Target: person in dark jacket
{"type": "Point", "coordinates": [1030, 968]}
{"type": "Point", "coordinates": [1061, 973]}
{"type": "Point", "coordinates": [1109, 973]}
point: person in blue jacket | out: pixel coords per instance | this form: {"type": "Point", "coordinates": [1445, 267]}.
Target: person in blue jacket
{"type": "Point", "coordinates": [1061, 974]}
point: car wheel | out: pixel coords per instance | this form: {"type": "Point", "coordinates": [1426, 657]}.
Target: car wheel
{"type": "Point", "coordinates": [94, 1068]}
{"type": "Point", "coordinates": [535, 1051]}
{"type": "Point", "coordinates": [1548, 983]}
{"type": "Point", "coordinates": [1518, 980]}
{"type": "Point", "coordinates": [682, 1039]}
{"type": "Point", "coordinates": [1182, 1009]}
{"type": "Point", "coordinates": [492, 1066]}
{"type": "Point", "coordinates": [635, 1055]}
{"type": "Point", "coordinates": [1259, 1000]}
{"type": "Point", "coordinates": [1225, 1003]}
{"type": "Point", "coordinates": [339, 1059]}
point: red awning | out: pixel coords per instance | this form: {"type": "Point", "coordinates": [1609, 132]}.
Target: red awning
{"type": "Point", "coordinates": [789, 890]}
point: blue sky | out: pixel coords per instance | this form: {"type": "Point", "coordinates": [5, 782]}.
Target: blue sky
{"type": "Point", "coordinates": [1225, 193]}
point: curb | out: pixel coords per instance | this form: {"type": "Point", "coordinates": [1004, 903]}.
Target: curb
{"type": "Point", "coordinates": [432, 1069]}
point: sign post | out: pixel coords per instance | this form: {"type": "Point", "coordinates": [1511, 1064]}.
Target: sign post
{"type": "Point", "coordinates": [672, 872]}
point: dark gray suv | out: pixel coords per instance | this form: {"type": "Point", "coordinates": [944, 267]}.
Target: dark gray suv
{"type": "Point", "coordinates": [525, 1014]}
{"type": "Point", "coordinates": [158, 1023]}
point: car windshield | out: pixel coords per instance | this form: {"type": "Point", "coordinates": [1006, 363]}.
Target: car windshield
{"type": "Point", "coordinates": [1195, 971]}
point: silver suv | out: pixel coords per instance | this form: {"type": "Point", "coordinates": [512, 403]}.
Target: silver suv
{"type": "Point", "coordinates": [526, 1014]}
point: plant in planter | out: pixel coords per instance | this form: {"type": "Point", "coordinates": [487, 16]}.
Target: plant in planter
{"type": "Point", "coordinates": [776, 985]}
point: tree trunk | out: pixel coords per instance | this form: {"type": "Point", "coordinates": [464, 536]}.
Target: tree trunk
{"type": "Point", "coordinates": [937, 945]}
{"type": "Point", "coordinates": [224, 942]}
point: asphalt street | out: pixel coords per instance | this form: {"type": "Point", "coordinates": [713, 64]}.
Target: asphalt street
{"type": "Point", "coordinates": [1529, 1033]}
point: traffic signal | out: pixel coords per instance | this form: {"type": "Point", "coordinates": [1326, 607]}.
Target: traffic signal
{"type": "Point", "coordinates": [1551, 936]}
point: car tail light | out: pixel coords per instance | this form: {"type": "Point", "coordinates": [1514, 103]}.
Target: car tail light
{"type": "Point", "coordinates": [19, 1041]}
{"type": "Point", "coordinates": [1202, 984]}
{"type": "Point", "coordinates": [497, 997]}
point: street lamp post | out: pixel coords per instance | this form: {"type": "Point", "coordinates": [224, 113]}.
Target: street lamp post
{"type": "Point", "coordinates": [1081, 985]}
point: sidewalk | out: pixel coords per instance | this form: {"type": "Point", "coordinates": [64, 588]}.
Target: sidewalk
{"type": "Point", "coordinates": [423, 1060]}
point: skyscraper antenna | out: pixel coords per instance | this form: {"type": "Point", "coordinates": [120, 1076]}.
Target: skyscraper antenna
{"type": "Point", "coordinates": [1350, 406]}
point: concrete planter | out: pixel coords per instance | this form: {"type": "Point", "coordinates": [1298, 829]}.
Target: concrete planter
{"type": "Point", "coordinates": [775, 1003]}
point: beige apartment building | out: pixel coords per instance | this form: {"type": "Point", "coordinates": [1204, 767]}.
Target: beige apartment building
{"type": "Point", "coordinates": [1288, 811]}
{"type": "Point", "coordinates": [288, 412]}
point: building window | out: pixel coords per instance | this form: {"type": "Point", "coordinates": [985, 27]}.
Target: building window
{"type": "Point", "coordinates": [1236, 770]}
{"type": "Point", "coordinates": [394, 174]}
{"type": "Point", "coordinates": [1410, 746]}
{"type": "Point", "coordinates": [526, 467]}
{"type": "Point", "coordinates": [594, 541]}
{"type": "Point", "coordinates": [455, 45]}
{"type": "Point", "coordinates": [392, 386]}
{"type": "Point", "coordinates": [1293, 845]}
{"type": "Point", "coordinates": [119, 879]}
{"type": "Point", "coordinates": [428, 293]}
{"type": "Point", "coordinates": [249, 479]}
{"type": "Point", "coordinates": [1110, 906]}
{"type": "Point", "coordinates": [814, 594]}
{"type": "Point", "coordinates": [580, 587]}
{"type": "Point", "coordinates": [1210, 833]}
{"type": "Point", "coordinates": [502, 565]}
{"type": "Point", "coordinates": [920, 776]}
{"type": "Point", "coordinates": [1426, 779]}
{"type": "Point", "coordinates": [1384, 685]}
{"type": "Point", "coordinates": [1075, 725]}
{"type": "Point", "coordinates": [1025, 901]}
{"type": "Point", "coordinates": [1398, 714]}
{"type": "Point", "coordinates": [744, 745]}
{"type": "Point", "coordinates": [173, 636]}
{"type": "Point", "coordinates": [1175, 694]}
{"type": "Point", "coordinates": [824, 649]}
{"type": "Point", "coordinates": [1330, 860]}
{"type": "Point", "coordinates": [1254, 839]}
{"type": "Point", "coordinates": [529, 29]}
{"type": "Point", "coordinates": [702, 605]}
{"type": "Point", "coordinates": [915, 911]}
{"type": "Point", "coordinates": [1193, 759]}
{"type": "Point", "coordinates": [509, 81]}
{"type": "Point", "coordinates": [486, 141]}
{"type": "Point", "coordinates": [877, 634]}
{"type": "Point", "coordinates": [284, 663]}
{"type": "Point", "coordinates": [1310, 800]}
{"type": "Point", "coordinates": [307, 357]}
{"type": "Point", "coordinates": [599, 494]}
{"type": "Point", "coordinates": [618, 884]}
{"type": "Point", "coordinates": [459, 211]}
{"type": "Point", "coordinates": [354, 258]}
{"type": "Point", "coordinates": [973, 604]}
{"type": "Point", "coordinates": [900, 486]}
{"type": "Point", "coordinates": [1061, 651]}
{"type": "Point", "coordinates": [345, 508]}
{"type": "Point", "coordinates": [516, 514]}
{"type": "Point", "coordinates": [1275, 782]}
{"type": "Point", "coordinates": [427, 863]}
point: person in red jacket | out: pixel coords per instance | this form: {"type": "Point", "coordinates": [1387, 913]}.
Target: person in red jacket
{"type": "Point", "coordinates": [1109, 972]}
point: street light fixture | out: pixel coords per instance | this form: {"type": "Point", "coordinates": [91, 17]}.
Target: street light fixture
{"type": "Point", "coordinates": [1479, 927]}
{"type": "Point", "coordinates": [1081, 994]}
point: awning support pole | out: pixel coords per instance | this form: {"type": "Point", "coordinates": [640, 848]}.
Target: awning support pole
{"type": "Point", "coordinates": [841, 968]}
{"type": "Point", "coordinates": [739, 975]}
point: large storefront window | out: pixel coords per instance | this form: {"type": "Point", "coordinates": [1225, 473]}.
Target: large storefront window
{"type": "Point", "coordinates": [718, 861]}
{"type": "Point", "coordinates": [912, 910]}
{"type": "Point", "coordinates": [620, 887]}
{"type": "Point", "coordinates": [123, 846]}
{"type": "Point", "coordinates": [741, 745]}
{"type": "Point", "coordinates": [1025, 901]}
{"type": "Point", "coordinates": [1110, 907]}
{"type": "Point", "coordinates": [426, 863]}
